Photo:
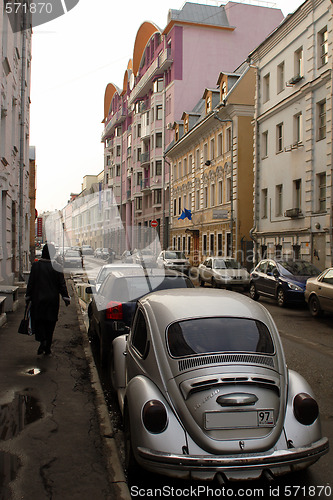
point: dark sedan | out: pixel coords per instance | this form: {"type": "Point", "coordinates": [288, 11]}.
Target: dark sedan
{"type": "Point", "coordinates": [282, 280]}
{"type": "Point", "coordinates": [111, 309]}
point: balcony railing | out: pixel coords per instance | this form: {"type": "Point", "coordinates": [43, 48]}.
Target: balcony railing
{"type": "Point", "coordinates": [145, 157]}
{"type": "Point", "coordinates": [117, 118]}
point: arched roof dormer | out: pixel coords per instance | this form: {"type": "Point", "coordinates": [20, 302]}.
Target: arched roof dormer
{"type": "Point", "coordinates": [127, 76]}
{"type": "Point", "coordinates": [145, 32]}
{"type": "Point", "coordinates": [110, 91]}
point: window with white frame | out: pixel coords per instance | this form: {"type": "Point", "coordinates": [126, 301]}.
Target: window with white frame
{"type": "Point", "coordinates": [298, 62]}
{"type": "Point", "coordinates": [321, 120]}
{"type": "Point", "coordinates": [219, 144]}
{"type": "Point", "coordinates": [323, 47]}
{"type": "Point", "coordinates": [278, 200]}
{"type": "Point", "coordinates": [158, 140]}
{"type": "Point", "coordinates": [264, 203]}
{"type": "Point", "coordinates": [280, 77]}
{"type": "Point", "coordinates": [321, 189]}
{"type": "Point", "coordinates": [212, 195]}
{"type": "Point", "coordinates": [157, 196]}
{"type": "Point", "coordinates": [264, 140]}
{"type": "Point", "coordinates": [279, 138]}
{"type": "Point", "coordinates": [229, 139]}
{"type": "Point", "coordinates": [158, 85]}
{"type": "Point", "coordinates": [212, 149]}
{"type": "Point", "coordinates": [158, 167]}
{"type": "Point", "coordinates": [298, 128]}
{"type": "Point", "coordinates": [220, 192]}
{"type": "Point", "coordinates": [266, 87]}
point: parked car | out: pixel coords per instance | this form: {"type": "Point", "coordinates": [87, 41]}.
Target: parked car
{"type": "Point", "coordinates": [109, 268]}
{"type": "Point", "coordinates": [111, 308]}
{"type": "Point", "coordinates": [87, 250]}
{"type": "Point", "coordinates": [144, 257]}
{"type": "Point", "coordinates": [319, 293]}
{"type": "Point", "coordinates": [126, 256]}
{"type": "Point", "coordinates": [282, 280]}
{"type": "Point", "coordinates": [223, 271]}
{"type": "Point", "coordinates": [98, 253]}
{"type": "Point", "coordinates": [205, 392]}
{"type": "Point", "coordinates": [174, 259]}
{"type": "Point", "coordinates": [105, 253]}
{"type": "Point", "coordinates": [72, 258]}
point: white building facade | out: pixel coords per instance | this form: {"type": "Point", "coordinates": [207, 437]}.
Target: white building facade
{"type": "Point", "coordinates": [293, 137]}
{"type": "Point", "coordinates": [15, 50]}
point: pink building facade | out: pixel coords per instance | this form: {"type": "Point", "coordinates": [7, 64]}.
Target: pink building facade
{"type": "Point", "coordinates": [166, 75]}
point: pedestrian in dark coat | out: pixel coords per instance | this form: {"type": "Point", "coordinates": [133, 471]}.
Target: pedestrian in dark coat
{"type": "Point", "coordinates": [46, 283]}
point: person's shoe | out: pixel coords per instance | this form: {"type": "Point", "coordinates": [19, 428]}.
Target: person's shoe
{"type": "Point", "coordinates": [40, 349]}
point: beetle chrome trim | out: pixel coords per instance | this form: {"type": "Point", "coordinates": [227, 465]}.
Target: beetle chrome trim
{"type": "Point", "coordinates": [230, 462]}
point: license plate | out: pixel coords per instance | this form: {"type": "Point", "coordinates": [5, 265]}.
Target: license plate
{"type": "Point", "coordinates": [239, 419]}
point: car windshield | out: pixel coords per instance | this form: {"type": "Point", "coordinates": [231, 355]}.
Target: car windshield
{"type": "Point", "coordinates": [216, 335]}
{"type": "Point", "coordinates": [135, 287]}
{"type": "Point", "coordinates": [145, 252]}
{"type": "Point", "coordinates": [299, 268]}
{"type": "Point", "coordinates": [174, 255]}
{"type": "Point", "coordinates": [225, 264]}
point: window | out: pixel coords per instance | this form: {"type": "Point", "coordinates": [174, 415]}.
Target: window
{"type": "Point", "coordinates": [139, 178]}
{"type": "Point", "coordinates": [157, 196]}
{"type": "Point", "coordinates": [140, 335]}
{"type": "Point", "coordinates": [297, 128]}
{"type": "Point", "coordinates": [117, 170]}
{"type": "Point", "coordinates": [321, 182]}
{"type": "Point", "coordinates": [229, 189]}
{"type": "Point", "coordinates": [219, 244]}
{"type": "Point", "coordinates": [158, 140]}
{"type": "Point", "coordinates": [205, 152]}
{"type": "Point", "coordinates": [279, 138]}
{"type": "Point", "coordinates": [179, 205]}
{"type": "Point", "coordinates": [190, 164]}
{"type": "Point", "coordinates": [211, 243]}
{"type": "Point", "coordinates": [278, 200]}
{"type": "Point", "coordinates": [229, 139]}
{"type": "Point", "coordinates": [158, 85]}
{"type": "Point", "coordinates": [138, 203]}
{"type": "Point", "coordinates": [212, 195]}
{"type": "Point", "coordinates": [298, 193]}
{"type": "Point", "coordinates": [205, 196]}
{"type": "Point", "coordinates": [321, 118]}
{"type": "Point", "coordinates": [139, 129]}
{"type": "Point", "coordinates": [204, 244]}
{"type": "Point", "coordinates": [179, 169]}
{"type": "Point", "coordinates": [264, 203]}
{"type": "Point", "coordinates": [197, 159]}
{"type": "Point", "coordinates": [208, 104]}
{"type": "Point", "coordinates": [323, 46]}
{"type": "Point", "coordinates": [158, 167]}
{"type": "Point", "coordinates": [212, 149]}
{"type": "Point", "coordinates": [219, 144]}
{"type": "Point", "coordinates": [220, 192]}
{"type": "Point", "coordinates": [264, 144]}
{"type": "Point", "coordinates": [298, 62]}
{"type": "Point", "coordinates": [266, 88]}
{"type": "Point", "coordinates": [159, 112]}
{"type": "Point", "coordinates": [280, 77]}
{"type": "Point", "coordinates": [185, 166]}
{"type": "Point", "coordinates": [118, 151]}
{"type": "Point", "coordinates": [175, 207]}
{"type": "Point", "coordinates": [197, 199]}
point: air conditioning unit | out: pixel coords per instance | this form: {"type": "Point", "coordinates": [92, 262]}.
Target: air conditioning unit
{"type": "Point", "coordinates": [293, 212]}
{"type": "Point", "coordinates": [169, 126]}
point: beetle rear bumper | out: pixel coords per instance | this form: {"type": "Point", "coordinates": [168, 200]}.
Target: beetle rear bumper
{"type": "Point", "coordinates": [278, 461]}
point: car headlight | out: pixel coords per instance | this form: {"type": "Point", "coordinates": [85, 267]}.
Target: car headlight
{"type": "Point", "coordinates": [305, 408]}
{"type": "Point", "coordinates": [154, 416]}
{"type": "Point", "coordinates": [292, 286]}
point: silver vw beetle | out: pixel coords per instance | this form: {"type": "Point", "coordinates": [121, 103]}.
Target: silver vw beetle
{"type": "Point", "coordinates": [204, 390]}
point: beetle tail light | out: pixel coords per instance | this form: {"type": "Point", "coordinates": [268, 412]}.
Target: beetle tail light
{"type": "Point", "coordinates": [305, 408]}
{"type": "Point", "coordinates": [114, 310]}
{"type": "Point", "coordinates": [154, 416]}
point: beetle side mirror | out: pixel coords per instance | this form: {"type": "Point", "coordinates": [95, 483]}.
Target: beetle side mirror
{"type": "Point", "coordinates": [276, 273]}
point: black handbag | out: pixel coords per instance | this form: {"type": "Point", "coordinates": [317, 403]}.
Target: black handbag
{"type": "Point", "coordinates": [24, 327]}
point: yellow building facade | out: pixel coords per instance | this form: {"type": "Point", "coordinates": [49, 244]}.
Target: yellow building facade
{"type": "Point", "coordinates": [212, 172]}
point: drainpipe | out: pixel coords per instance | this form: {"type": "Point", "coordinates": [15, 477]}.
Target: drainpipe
{"type": "Point", "coordinates": [22, 148]}
{"type": "Point", "coordinates": [163, 228]}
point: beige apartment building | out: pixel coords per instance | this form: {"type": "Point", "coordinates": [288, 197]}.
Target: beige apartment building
{"type": "Point", "coordinates": [212, 171]}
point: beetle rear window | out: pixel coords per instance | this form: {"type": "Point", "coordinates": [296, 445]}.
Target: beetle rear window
{"type": "Point", "coordinates": [213, 335]}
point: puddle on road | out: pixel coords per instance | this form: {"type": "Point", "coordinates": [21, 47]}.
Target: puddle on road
{"type": "Point", "coordinates": [23, 410]}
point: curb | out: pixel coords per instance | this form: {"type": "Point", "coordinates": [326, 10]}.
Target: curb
{"type": "Point", "coordinates": [114, 467]}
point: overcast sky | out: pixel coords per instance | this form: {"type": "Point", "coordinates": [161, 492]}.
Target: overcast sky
{"type": "Point", "coordinates": [73, 59]}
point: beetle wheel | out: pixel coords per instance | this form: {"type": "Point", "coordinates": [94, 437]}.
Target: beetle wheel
{"type": "Point", "coordinates": [314, 306]}
{"type": "Point", "coordinates": [281, 297]}
{"type": "Point", "coordinates": [253, 292]}
{"type": "Point", "coordinates": [201, 281]}
{"type": "Point", "coordinates": [213, 282]}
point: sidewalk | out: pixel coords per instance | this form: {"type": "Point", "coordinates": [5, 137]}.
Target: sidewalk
{"type": "Point", "coordinates": [55, 434]}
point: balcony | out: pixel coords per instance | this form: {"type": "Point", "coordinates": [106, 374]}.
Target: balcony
{"type": "Point", "coordinates": [161, 63]}
{"type": "Point", "coordinates": [145, 185]}
{"type": "Point", "coordinates": [293, 213]}
{"type": "Point", "coordinates": [145, 158]}
{"type": "Point", "coordinates": [116, 119]}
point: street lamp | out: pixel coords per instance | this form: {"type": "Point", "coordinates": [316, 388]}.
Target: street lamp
{"type": "Point", "coordinates": [229, 120]}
